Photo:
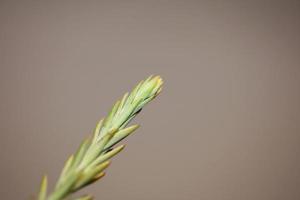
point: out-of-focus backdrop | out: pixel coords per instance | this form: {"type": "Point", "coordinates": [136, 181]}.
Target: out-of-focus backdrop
{"type": "Point", "coordinates": [226, 127]}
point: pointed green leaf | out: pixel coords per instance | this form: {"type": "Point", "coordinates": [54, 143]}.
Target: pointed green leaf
{"type": "Point", "coordinates": [97, 130]}
{"type": "Point", "coordinates": [96, 149]}
{"type": "Point", "coordinates": [111, 114]}
{"type": "Point", "coordinates": [65, 171]}
{"type": "Point", "coordinates": [120, 135]}
{"type": "Point", "coordinates": [88, 174]}
{"type": "Point", "coordinates": [107, 156]}
{"type": "Point", "coordinates": [80, 153]}
{"type": "Point", "coordinates": [43, 189]}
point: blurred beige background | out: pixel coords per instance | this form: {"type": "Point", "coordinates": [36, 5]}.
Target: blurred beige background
{"type": "Point", "coordinates": [226, 127]}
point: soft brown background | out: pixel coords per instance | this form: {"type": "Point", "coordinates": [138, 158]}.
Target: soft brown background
{"type": "Point", "coordinates": [226, 127]}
